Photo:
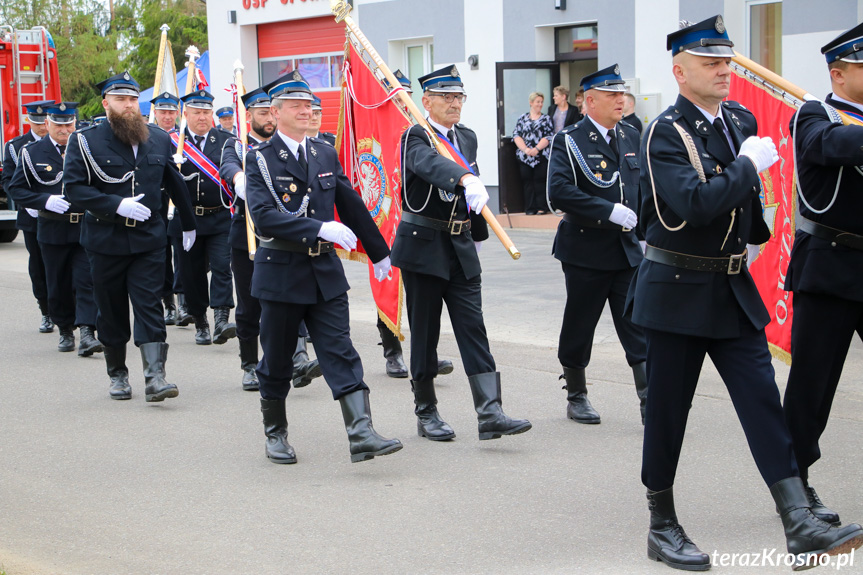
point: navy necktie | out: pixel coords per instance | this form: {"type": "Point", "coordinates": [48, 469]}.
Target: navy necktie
{"type": "Point", "coordinates": [301, 158]}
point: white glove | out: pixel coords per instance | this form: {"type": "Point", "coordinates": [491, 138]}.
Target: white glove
{"type": "Point", "coordinates": [189, 239]}
{"type": "Point", "coordinates": [240, 185]}
{"type": "Point", "coordinates": [171, 210]}
{"type": "Point", "coordinates": [643, 245]}
{"type": "Point", "coordinates": [478, 246]}
{"type": "Point", "coordinates": [762, 152]}
{"type": "Point", "coordinates": [57, 204]}
{"type": "Point", "coordinates": [339, 233]}
{"type": "Point", "coordinates": [475, 194]}
{"type": "Point", "coordinates": [179, 158]}
{"type": "Point", "coordinates": [382, 269]}
{"type": "Point", "coordinates": [623, 216]}
{"type": "Point", "coordinates": [33, 213]}
{"type": "Point", "coordinates": [130, 208]}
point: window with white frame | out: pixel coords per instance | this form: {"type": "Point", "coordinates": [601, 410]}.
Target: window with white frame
{"type": "Point", "coordinates": [321, 71]}
{"type": "Point", "coordinates": [764, 33]}
{"type": "Point", "coordinates": [419, 61]}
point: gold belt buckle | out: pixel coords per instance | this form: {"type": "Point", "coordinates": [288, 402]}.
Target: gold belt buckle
{"type": "Point", "coordinates": [73, 218]}
{"type": "Point", "coordinates": [199, 210]}
{"type": "Point", "coordinates": [132, 224]}
{"type": "Point", "coordinates": [452, 228]}
{"type": "Point", "coordinates": [735, 264]}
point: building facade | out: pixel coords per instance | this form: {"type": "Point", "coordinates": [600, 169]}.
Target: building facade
{"type": "Point", "coordinates": [506, 49]}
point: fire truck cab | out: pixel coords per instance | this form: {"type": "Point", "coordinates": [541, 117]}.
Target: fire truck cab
{"type": "Point", "coordinates": [28, 73]}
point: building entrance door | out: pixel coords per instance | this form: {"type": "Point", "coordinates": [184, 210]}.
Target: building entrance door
{"type": "Point", "coordinates": [515, 82]}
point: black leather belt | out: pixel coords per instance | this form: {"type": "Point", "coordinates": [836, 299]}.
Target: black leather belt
{"type": "Point", "coordinates": [128, 222]}
{"type": "Point", "coordinates": [205, 211]}
{"type": "Point", "coordinates": [833, 235]}
{"type": "Point", "coordinates": [73, 218]}
{"type": "Point", "coordinates": [571, 219]}
{"type": "Point", "coordinates": [317, 248]}
{"type": "Point", "coordinates": [731, 265]}
{"type": "Point", "coordinates": [454, 228]}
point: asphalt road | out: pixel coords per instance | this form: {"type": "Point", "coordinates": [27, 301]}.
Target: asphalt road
{"type": "Point", "coordinates": [94, 486]}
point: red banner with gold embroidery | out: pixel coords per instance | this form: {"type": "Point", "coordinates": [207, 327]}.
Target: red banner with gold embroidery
{"type": "Point", "coordinates": [370, 126]}
{"type": "Point", "coordinates": [779, 200]}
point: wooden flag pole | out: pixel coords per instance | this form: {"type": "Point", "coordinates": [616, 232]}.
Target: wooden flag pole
{"type": "Point", "coordinates": [243, 132]}
{"type": "Point", "coordinates": [192, 54]}
{"type": "Point", "coordinates": [157, 83]}
{"type": "Point", "coordinates": [342, 10]}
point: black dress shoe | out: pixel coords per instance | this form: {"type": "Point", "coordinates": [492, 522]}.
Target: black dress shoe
{"type": "Point", "coordinates": [666, 540]}
{"type": "Point", "coordinates": [444, 367]}
{"type": "Point", "coordinates": [67, 339]}
{"type": "Point", "coordinates": [224, 329]}
{"type": "Point", "coordinates": [89, 344]}
{"type": "Point", "coordinates": [578, 407]}
{"type": "Point", "coordinates": [184, 318]}
{"type": "Point", "coordinates": [202, 331]}
{"type": "Point", "coordinates": [170, 310]}
{"type": "Point", "coordinates": [47, 326]}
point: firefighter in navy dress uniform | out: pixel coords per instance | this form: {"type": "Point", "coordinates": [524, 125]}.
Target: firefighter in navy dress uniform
{"type": "Point", "coordinates": [827, 257]}
{"type": "Point", "coordinates": [262, 127]}
{"type": "Point", "coordinates": [225, 116]}
{"type": "Point", "coordinates": [293, 185]}
{"type": "Point", "coordinates": [593, 179]}
{"type": "Point", "coordinates": [436, 247]}
{"type": "Point", "coordinates": [38, 184]}
{"type": "Point", "coordinates": [203, 145]}
{"type": "Point", "coordinates": [116, 171]}
{"type": "Point", "coordinates": [693, 296]}
{"type": "Point", "coordinates": [166, 108]}
{"type": "Point", "coordinates": [26, 219]}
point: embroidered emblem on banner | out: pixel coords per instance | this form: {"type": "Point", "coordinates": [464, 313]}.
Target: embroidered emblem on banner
{"type": "Point", "coordinates": [374, 185]}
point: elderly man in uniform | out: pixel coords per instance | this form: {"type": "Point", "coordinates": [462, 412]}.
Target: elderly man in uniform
{"type": "Point", "coordinates": [37, 184]}
{"type": "Point", "coordinates": [293, 187]}
{"type": "Point", "coordinates": [593, 178]}
{"type": "Point", "coordinates": [211, 200]}
{"type": "Point", "coordinates": [116, 171]}
{"type": "Point", "coordinates": [226, 119]}
{"type": "Point", "coordinates": [166, 108]}
{"type": "Point", "coordinates": [436, 247]}
{"type": "Point", "coordinates": [263, 126]}
{"type": "Point", "coordinates": [693, 296]}
{"type": "Point", "coordinates": [26, 219]}
{"type": "Point", "coordinates": [827, 258]}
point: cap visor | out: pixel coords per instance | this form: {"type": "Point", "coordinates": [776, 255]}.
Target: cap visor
{"type": "Point", "coordinates": [713, 51]}
{"type": "Point", "coordinates": [611, 88]}
{"type": "Point", "coordinates": [199, 105]}
{"type": "Point", "coordinates": [854, 58]}
{"type": "Point", "coordinates": [294, 96]}
{"type": "Point", "coordinates": [122, 92]}
{"type": "Point", "coordinates": [447, 90]}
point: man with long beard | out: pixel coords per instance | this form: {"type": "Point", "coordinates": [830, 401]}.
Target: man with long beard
{"type": "Point", "coordinates": [116, 171]}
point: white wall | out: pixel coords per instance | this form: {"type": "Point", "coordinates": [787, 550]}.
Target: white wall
{"type": "Point", "coordinates": [804, 65]}
{"type": "Point", "coordinates": [655, 20]}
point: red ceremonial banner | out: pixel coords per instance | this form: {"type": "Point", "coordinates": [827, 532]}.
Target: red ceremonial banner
{"type": "Point", "coordinates": [370, 127]}
{"type": "Point", "coordinates": [779, 199]}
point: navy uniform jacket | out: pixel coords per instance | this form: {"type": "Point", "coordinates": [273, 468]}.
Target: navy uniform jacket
{"type": "Point", "coordinates": [24, 222]}
{"type": "Point", "coordinates": [591, 240]}
{"type": "Point", "coordinates": [427, 174]}
{"type": "Point", "coordinates": [328, 138]}
{"type": "Point", "coordinates": [822, 147]}
{"type": "Point", "coordinates": [293, 277]}
{"type": "Point", "coordinates": [26, 190]}
{"type": "Point", "coordinates": [230, 165]}
{"type": "Point", "coordinates": [684, 301]}
{"type": "Point", "coordinates": [153, 170]}
{"type": "Point", "coordinates": [203, 191]}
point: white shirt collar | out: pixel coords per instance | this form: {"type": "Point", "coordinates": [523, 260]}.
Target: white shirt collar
{"type": "Point", "coordinates": [710, 117]}
{"type": "Point", "coordinates": [602, 129]}
{"type": "Point", "coordinates": [850, 103]}
{"type": "Point", "coordinates": [292, 144]}
{"type": "Point", "coordinates": [35, 137]}
{"type": "Point", "coordinates": [54, 142]}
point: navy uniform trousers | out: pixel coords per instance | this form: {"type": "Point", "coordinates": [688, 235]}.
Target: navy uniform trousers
{"type": "Point", "coordinates": [70, 285]}
{"type": "Point", "coordinates": [35, 263]}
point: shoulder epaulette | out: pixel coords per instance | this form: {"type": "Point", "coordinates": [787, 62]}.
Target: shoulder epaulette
{"type": "Point", "coordinates": [671, 114]}
{"type": "Point", "coordinates": [264, 145]}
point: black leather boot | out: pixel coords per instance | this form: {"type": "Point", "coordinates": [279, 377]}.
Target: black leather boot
{"type": "Point", "coordinates": [184, 318]}
{"type": "Point", "coordinates": [429, 423]}
{"type": "Point", "coordinates": [364, 441]}
{"type": "Point", "coordinates": [67, 338]}
{"type": "Point", "coordinates": [89, 344]}
{"type": "Point", "coordinates": [170, 310]}
{"type": "Point", "coordinates": [277, 448]}
{"type": "Point", "coordinates": [47, 326]}
{"type": "Point", "coordinates": [578, 407]}
{"type": "Point", "coordinates": [667, 541]}
{"type": "Point", "coordinates": [154, 355]}
{"type": "Point", "coordinates": [115, 359]}
{"type": "Point", "coordinates": [806, 536]}
{"type": "Point", "coordinates": [444, 367]}
{"type": "Point", "coordinates": [393, 353]}
{"type": "Point", "coordinates": [223, 330]}
{"type": "Point", "coordinates": [493, 422]}
{"type": "Point", "coordinates": [202, 330]}
{"type": "Point", "coordinates": [249, 361]}
{"type": "Point", "coordinates": [305, 370]}
{"type": "Point", "coordinates": [639, 374]}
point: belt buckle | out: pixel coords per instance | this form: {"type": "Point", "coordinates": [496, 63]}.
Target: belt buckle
{"type": "Point", "coordinates": [199, 210]}
{"type": "Point", "coordinates": [452, 228]}
{"type": "Point", "coordinates": [73, 218]}
{"type": "Point", "coordinates": [132, 224]}
{"type": "Point", "coordinates": [316, 251]}
{"type": "Point", "coordinates": [735, 264]}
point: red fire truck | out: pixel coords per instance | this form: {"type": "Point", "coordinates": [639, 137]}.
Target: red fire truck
{"type": "Point", "coordinates": [28, 73]}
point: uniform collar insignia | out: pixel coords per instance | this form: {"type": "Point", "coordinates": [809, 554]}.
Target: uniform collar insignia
{"type": "Point", "coordinates": [668, 118]}
{"type": "Point", "coordinates": [622, 135]}
{"type": "Point", "coordinates": [283, 154]}
{"type": "Point", "coordinates": [212, 138]}
{"type": "Point", "coordinates": [593, 136]}
{"type": "Point", "coordinates": [313, 151]}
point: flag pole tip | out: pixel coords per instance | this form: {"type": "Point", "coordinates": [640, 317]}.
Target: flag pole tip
{"type": "Point", "coordinates": [164, 28]}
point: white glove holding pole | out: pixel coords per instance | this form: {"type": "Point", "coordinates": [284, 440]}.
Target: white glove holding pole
{"type": "Point", "coordinates": [475, 193]}
{"type": "Point", "coordinates": [623, 216]}
{"type": "Point", "coordinates": [338, 233]}
{"type": "Point", "coordinates": [189, 239]}
{"type": "Point", "coordinates": [57, 204]}
{"type": "Point", "coordinates": [240, 185]}
{"type": "Point", "coordinates": [130, 208]}
{"type": "Point", "coordinates": [761, 151]}
{"type": "Point", "coordinates": [382, 269]}
{"type": "Point", "coordinates": [33, 213]}
{"type": "Point", "coordinates": [178, 159]}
